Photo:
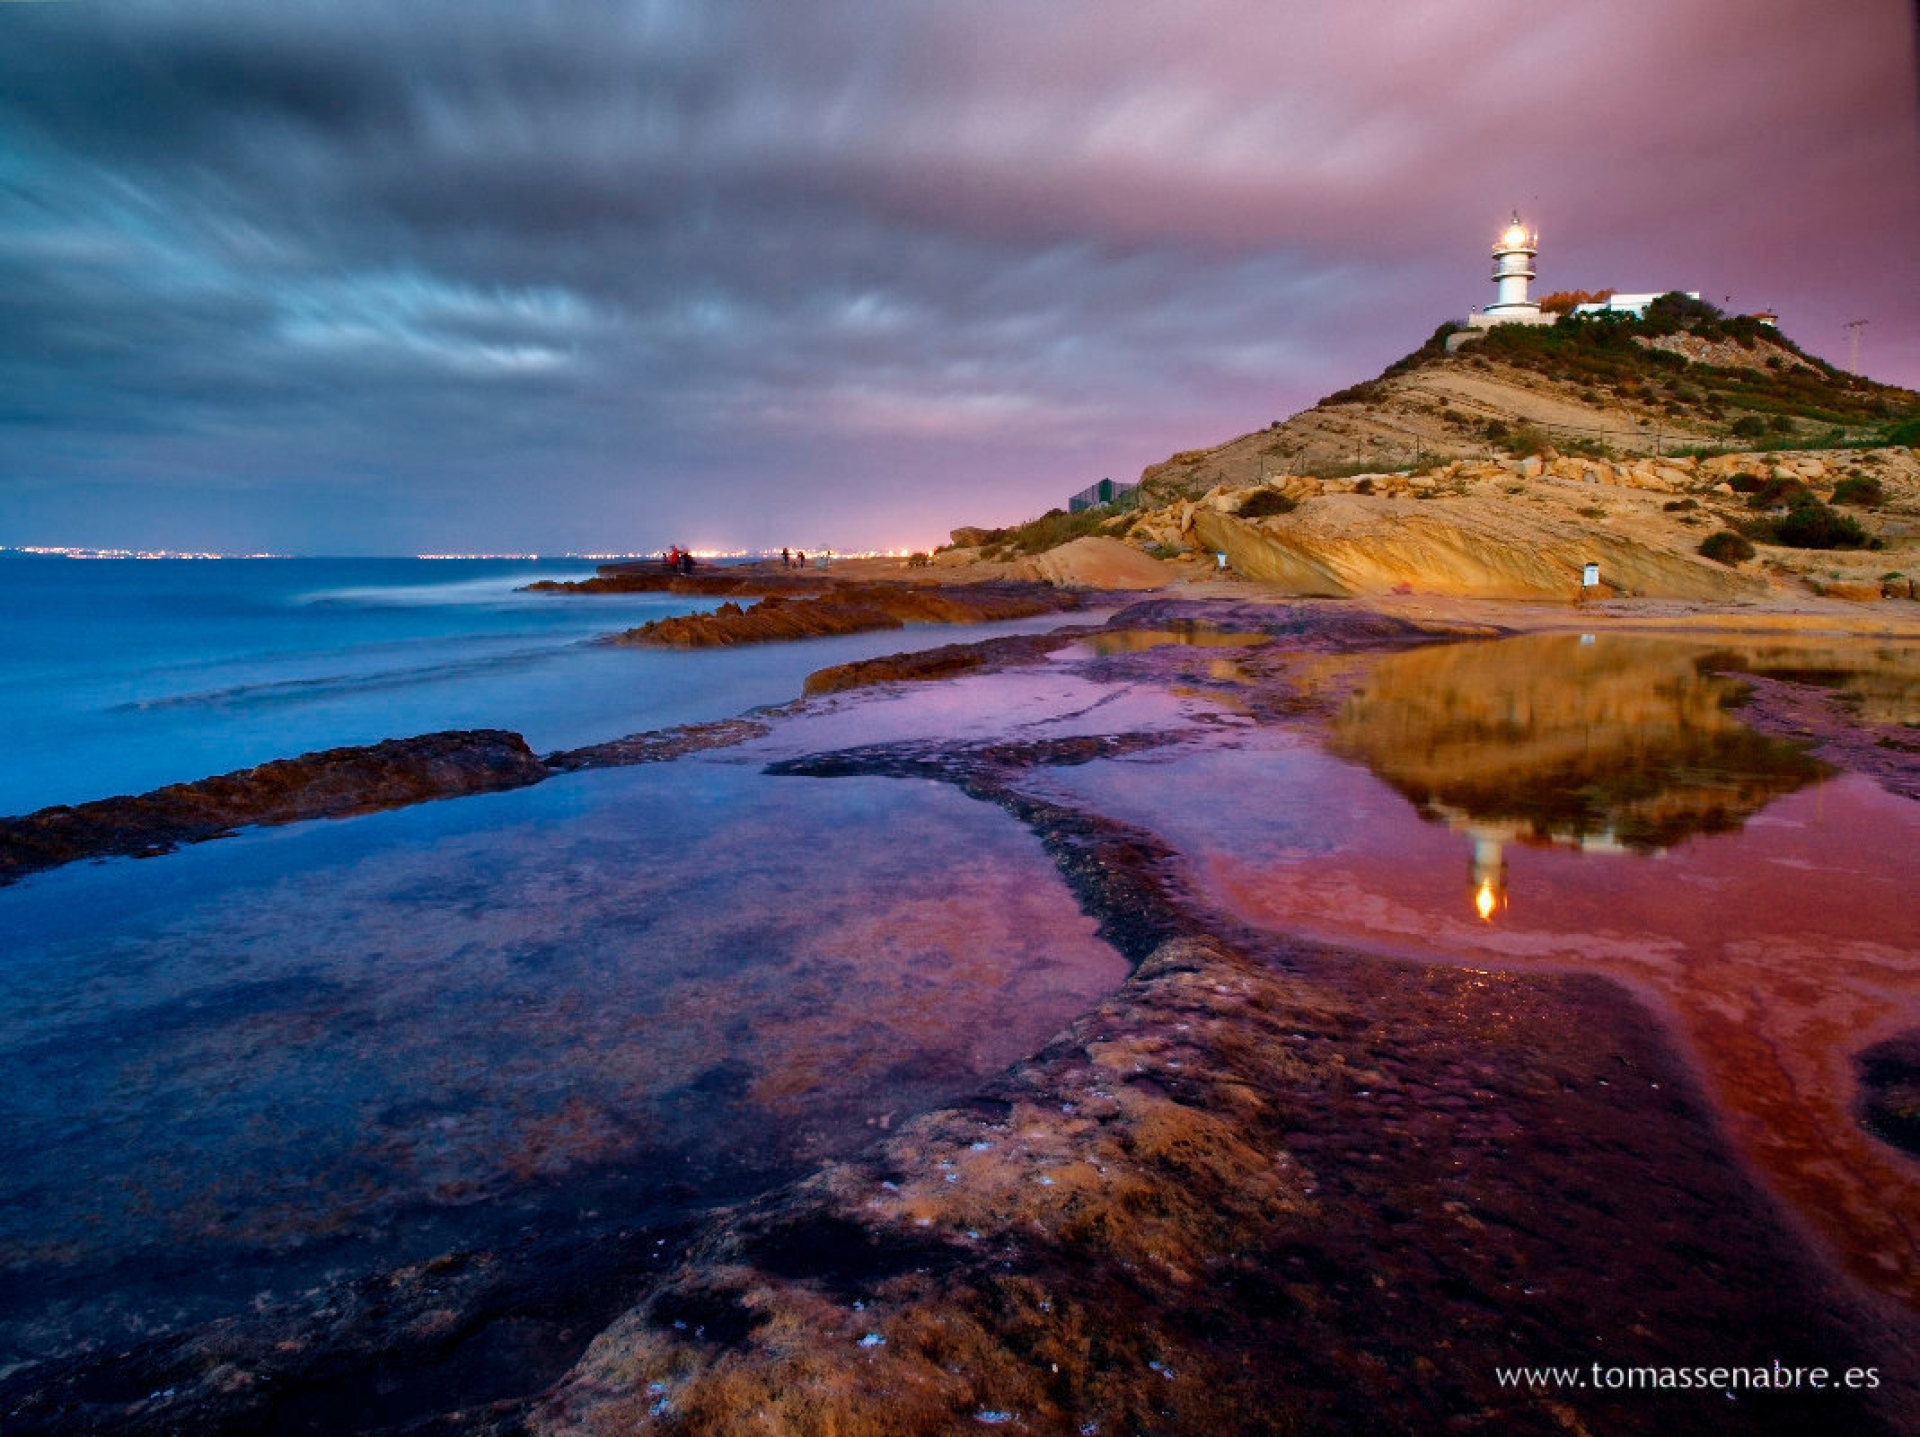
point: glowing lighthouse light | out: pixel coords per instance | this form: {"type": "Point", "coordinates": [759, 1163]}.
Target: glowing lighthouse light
{"type": "Point", "coordinates": [1483, 900]}
{"type": "Point", "coordinates": [1489, 873]}
{"type": "Point", "coordinates": [1512, 267]}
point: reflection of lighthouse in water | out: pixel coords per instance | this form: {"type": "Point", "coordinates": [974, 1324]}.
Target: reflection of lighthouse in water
{"type": "Point", "coordinates": [1487, 870]}
{"type": "Point", "coordinates": [1489, 873]}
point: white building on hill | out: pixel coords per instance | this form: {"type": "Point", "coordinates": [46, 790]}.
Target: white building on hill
{"type": "Point", "coordinates": [1633, 304]}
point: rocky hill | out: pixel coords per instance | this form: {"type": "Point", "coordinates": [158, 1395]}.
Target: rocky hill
{"type": "Point", "coordinates": [1690, 455]}
{"type": "Point", "coordinates": [1684, 377]}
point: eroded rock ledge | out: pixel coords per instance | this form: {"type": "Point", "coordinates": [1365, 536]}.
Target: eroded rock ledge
{"type": "Point", "coordinates": [1239, 1199]}
{"type": "Point", "coordinates": [332, 783]}
{"type": "Point", "coordinates": [851, 609]}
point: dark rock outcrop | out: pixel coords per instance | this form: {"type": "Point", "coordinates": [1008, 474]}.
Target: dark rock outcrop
{"type": "Point", "coordinates": [851, 609]}
{"type": "Point", "coordinates": [658, 745]}
{"type": "Point", "coordinates": [658, 579]}
{"type": "Point", "coordinates": [1890, 1090]}
{"type": "Point", "coordinates": [333, 783]}
{"type": "Point", "coordinates": [946, 662]}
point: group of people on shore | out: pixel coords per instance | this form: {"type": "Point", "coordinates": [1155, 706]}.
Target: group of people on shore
{"type": "Point", "coordinates": [680, 560]}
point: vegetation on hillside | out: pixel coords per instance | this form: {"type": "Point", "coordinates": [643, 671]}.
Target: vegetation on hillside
{"type": "Point", "coordinates": [1793, 515]}
{"type": "Point", "coordinates": [1615, 355]}
{"type": "Point", "coordinates": [1264, 503]}
{"type": "Point", "coordinates": [1718, 382]}
{"type": "Point", "coordinates": [1727, 547]}
{"type": "Point", "coordinates": [1050, 531]}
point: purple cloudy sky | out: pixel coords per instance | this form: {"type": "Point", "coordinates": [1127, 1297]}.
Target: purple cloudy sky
{"type": "Point", "coordinates": [455, 274]}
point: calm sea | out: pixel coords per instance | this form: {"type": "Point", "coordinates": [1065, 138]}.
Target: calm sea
{"type": "Point", "coordinates": [117, 676]}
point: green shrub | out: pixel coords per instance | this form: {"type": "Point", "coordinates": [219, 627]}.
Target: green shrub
{"type": "Point", "coordinates": [1726, 547]}
{"type": "Point", "coordinates": [1265, 502]}
{"type": "Point", "coordinates": [1744, 483]}
{"type": "Point", "coordinates": [1815, 526]}
{"type": "Point", "coordinates": [1860, 490]}
{"type": "Point", "coordinates": [1366, 392]}
{"type": "Point", "coordinates": [1587, 448]}
{"type": "Point", "coordinates": [1049, 531]}
{"type": "Point", "coordinates": [1525, 439]}
{"type": "Point", "coordinates": [1680, 506]}
{"type": "Point", "coordinates": [1776, 492]}
{"type": "Point", "coordinates": [1749, 426]}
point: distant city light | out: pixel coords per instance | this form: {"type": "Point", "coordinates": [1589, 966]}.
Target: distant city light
{"type": "Point", "coordinates": [63, 551]}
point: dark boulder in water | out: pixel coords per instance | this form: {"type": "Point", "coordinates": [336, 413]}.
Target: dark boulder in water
{"type": "Point", "coordinates": [1890, 1090]}
{"type": "Point", "coordinates": [333, 783]}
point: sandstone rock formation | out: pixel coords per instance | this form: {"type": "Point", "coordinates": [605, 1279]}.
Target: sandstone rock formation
{"type": "Point", "coordinates": [1344, 544]}
{"type": "Point", "coordinates": [1095, 562]}
{"type": "Point", "coordinates": [1525, 528]}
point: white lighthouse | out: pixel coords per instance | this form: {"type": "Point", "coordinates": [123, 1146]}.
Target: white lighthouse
{"type": "Point", "coordinates": [1513, 255]}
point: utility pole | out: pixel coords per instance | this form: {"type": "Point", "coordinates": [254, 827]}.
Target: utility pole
{"type": "Point", "coordinates": [1853, 328]}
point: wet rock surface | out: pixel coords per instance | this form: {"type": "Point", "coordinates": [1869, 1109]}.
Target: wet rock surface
{"type": "Point", "coordinates": [946, 662]}
{"type": "Point", "coordinates": [1254, 1192]}
{"type": "Point", "coordinates": [850, 609]}
{"type": "Point", "coordinates": [1809, 710]}
{"type": "Point", "coordinates": [333, 783]}
{"type": "Point", "coordinates": [658, 746]}
{"type": "Point", "coordinates": [1306, 626]}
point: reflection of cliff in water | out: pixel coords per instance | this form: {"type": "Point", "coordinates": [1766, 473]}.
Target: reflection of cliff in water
{"type": "Point", "coordinates": [1879, 684]}
{"type": "Point", "coordinates": [1563, 738]}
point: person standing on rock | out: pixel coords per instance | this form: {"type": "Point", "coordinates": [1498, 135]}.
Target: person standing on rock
{"type": "Point", "coordinates": [786, 558]}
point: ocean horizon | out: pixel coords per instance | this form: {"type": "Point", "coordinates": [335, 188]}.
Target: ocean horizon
{"type": "Point", "coordinates": [119, 676]}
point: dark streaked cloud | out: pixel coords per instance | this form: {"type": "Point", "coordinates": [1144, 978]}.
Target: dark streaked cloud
{"type": "Point", "coordinates": [356, 276]}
